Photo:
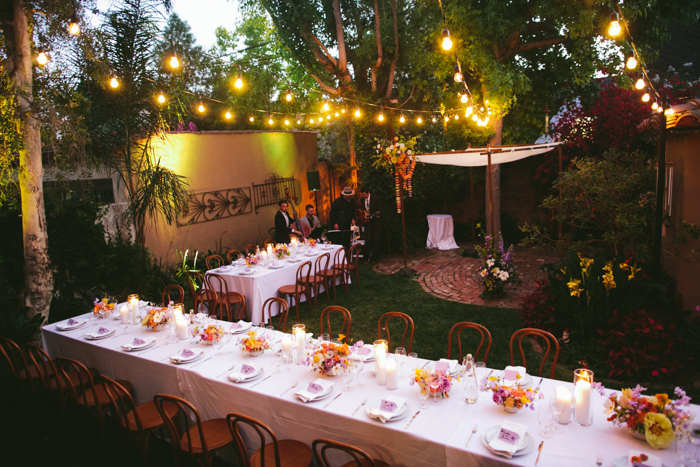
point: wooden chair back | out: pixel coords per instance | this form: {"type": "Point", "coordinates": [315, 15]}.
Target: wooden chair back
{"type": "Point", "coordinates": [250, 248]}
{"type": "Point", "coordinates": [170, 289]}
{"type": "Point", "coordinates": [347, 320]}
{"type": "Point", "coordinates": [230, 253]}
{"type": "Point", "coordinates": [42, 365]}
{"type": "Point", "coordinates": [214, 262]}
{"type": "Point", "coordinates": [340, 258]}
{"type": "Point", "coordinates": [77, 393]}
{"type": "Point", "coordinates": [235, 421]}
{"type": "Point", "coordinates": [269, 241]}
{"type": "Point", "coordinates": [353, 256]}
{"type": "Point", "coordinates": [217, 283]}
{"type": "Point", "coordinates": [14, 357]}
{"type": "Point", "coordinates": [321, 263]}
{"type": "Point", "coordinates": [122, 404]}
{"type": "Point", "coordinates": [282, 312]}
{"type": "Point", "coordinates": [408, 322]}
{"type": "Point", "coordinates": [536, 333]}
{"type": "Point", "coordinates": [303, 273]}
{"type": "Point", "coordinates": [358, 455]}
{"type": "Point", "coordinates": [234, 305]}
{"type": "Point", "coordinates": [458, 328]}
{"type": "Point", "coordinates": [208, 299]}
{"type": "Point", "coordinates": [195, 282]}
{"type": "Point", "coordinates": [189, 417]}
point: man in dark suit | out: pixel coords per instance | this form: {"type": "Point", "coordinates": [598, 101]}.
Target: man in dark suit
{"type": "Point", "coordinates": [284, 225]}
{"type": "Point", "coordinates": [343, 214]}
{"type": "Point", "coordinates": [372, 205]}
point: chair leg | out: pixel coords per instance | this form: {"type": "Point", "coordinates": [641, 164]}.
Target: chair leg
{"type": "Point", "coordinates": [327, 286]}
{"type": "Point", "coordinates": [357, 277]}
{"type": "Point", "coordinates": [296, 299]}
{"type": "Point", "coordinates": [316, 287]}
{"type": "Point", "coordinates": [308, 298]}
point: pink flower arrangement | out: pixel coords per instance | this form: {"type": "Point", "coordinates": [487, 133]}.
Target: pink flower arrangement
{"type": "Point", "coordinates": [424, 378]}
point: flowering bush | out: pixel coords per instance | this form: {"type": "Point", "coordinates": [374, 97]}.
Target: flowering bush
{"type": "Point", "coordinates": [496, 268]}
{"type": "Point", "coordinates": [252, 343]}
{"type": "Point", "coordinates": [208, 334]}
{"type": "Point", "coordinates": [330, 359]}
{"type": "Point", "coordinates": [656, 417]}
{"type": "Point", "coordinates": [509, 397]}
{"type": "Point", "coordinates": [425, 377]}
{"type": "Point", "coordinates": [156, 318]}
{"type": "Point", "coordinates": [538, 308]}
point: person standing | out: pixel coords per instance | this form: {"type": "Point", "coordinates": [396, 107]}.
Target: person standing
{"type": "Point", "coordinates": [310, 222]}
{"type": "Point", "coordinates": [372, 205]}
{"type": "Point", "coordinates": [343, 214]}
{"type": "Point", "coordinates": [284, 225]}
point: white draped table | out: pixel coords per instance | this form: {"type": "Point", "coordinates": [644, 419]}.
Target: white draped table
{"type": "Point", "coordinates": [441, 232]}
{"type": "Point", "coordinates": [436, 437]}
{"type": "Point", "coordinates": [264, 282]}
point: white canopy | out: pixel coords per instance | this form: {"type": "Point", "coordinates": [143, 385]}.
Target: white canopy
{"type": "Point", "coordinates": [478, 157]}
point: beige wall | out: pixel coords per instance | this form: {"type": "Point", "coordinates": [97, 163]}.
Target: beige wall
{"type": "Point", "coordinates": [225, 160]}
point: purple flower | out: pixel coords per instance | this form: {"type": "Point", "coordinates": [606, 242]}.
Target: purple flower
{"type": "Point", "coordinates": [497, 398]}
{"type": "Point", "coordinates": [488, 239]}
{"type": "Point", "coordinates": [445, 384]}
{"type": "Point", "coordinates": [192, 127]}
{"type": "Point", "coordinates": [97, 300]}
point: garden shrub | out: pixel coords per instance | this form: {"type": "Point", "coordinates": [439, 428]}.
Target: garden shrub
{"type": "Point", "coordinates": [538, 308]}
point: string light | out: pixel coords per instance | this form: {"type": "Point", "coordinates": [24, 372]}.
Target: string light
{"type": "Point", "coordinates": [489, 112]}
{"type": "Point", "coordinates": [458, 75]}
{"type": "Point", "coordinates": [251, 119]}
{"type": "Point", "coordinates": [402, 119]}
{"type": "Point", "coordinates": [640, 84]}
{"type": "Point", "coordinates": [288, 97]}
{"type": "Point", "coordinates": [469, 111]}
{"type": "Point", "coordinates": [631, 60]}
{"type": "Point", "coordinates": [41, 58]}
{"type": "Point", "coordinates": [343, 110]}
{"type": "Point", "coordinates": [381, 117]}
{"type": "Point", "coordinates": [201, 107]}
{"type": "Point", "coordinates": [298, 122]}
{"type": "Point", "coordinates": [456, 117]}
{"type": "Point", "coordinates": [336, 114]}
{"type": "Point", "coordinates": [357, 112]}
{"type": "Point", "coordinates": [646, 97]}
{"type": "Point", "coordinates": [320, 119]}
{"type": "Point", "coordinates": [419, 120]}
{"type": "Point", "coordinates": [654, 106]}
{"type": "Point", "coordinates": [475, 118]}
{"type": "Point", "coordinates": [114, 82]}
{"type": "Point", "coordinates": [238, 84]}
{"type": "Point", "coordinates": [486, 120]}
{"type": "Point", "coordinates": [286, 121]}
{"type": "Point", "coordinates": [161, 98]}
{"type": "Point", "coordinates": [614, 29]}
{"type": "Point", "coordinates": [326, 107]}
{"type": "Point", "coordinates": [311, 121]}
{"type": "Point", "coordinates": [434, 119]}
{"type": "Point", "coordinates": [446, 41]}
{"type": "Point", "coordinates": [463, 97]}
{"type": "Point", "coordinates": [447, 119]}
{"type": "Point", "coordinates": [73, 26]}
{"type": "Point", "coordinates": [228, 115]}
{"type": "Point", "coordinates": [174, 62]}
{"type": "Point", "coordinates": [660, 109]}
{"type": "Point", "coordinates": [669, 112]}
{"type": "Point", "coordinates": [270, 121]}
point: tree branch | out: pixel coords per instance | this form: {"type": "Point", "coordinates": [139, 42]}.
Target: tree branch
{"type": "Point", "coordinates": [329, 89]}
{"type": "Point", "coordinates": [392, 69]}
{"type": "Point", "coordinates": [542, 43]}
{"type": "Point", "coordinates": [409, 97]}
{"type": "Point", "coordinates": [342, 62]}
{"type": "Point", "coordinates": [326, 53]}
{"type": "Point", "coordinates": [380, 54]}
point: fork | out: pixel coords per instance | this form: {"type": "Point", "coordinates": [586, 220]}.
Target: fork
{"type": "Point", "coordinates": [290, 388]}
{"type": "Point", "coordinates": [358, 407]}
{"type": "Point", "coordinates": [474, 430]}
{"type": "Point", "coordinates": [226, 371]}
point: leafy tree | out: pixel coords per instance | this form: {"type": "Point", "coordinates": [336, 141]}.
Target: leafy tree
{"type": "Point", "coordinates": [194, 64]}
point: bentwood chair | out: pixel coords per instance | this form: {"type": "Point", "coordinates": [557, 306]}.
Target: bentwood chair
{"type": "Point", "coordinates": [195, 282]}
{"type": "Point", "coordinates": [359, 457]}
{"type": "Point", "coordinates": [218, 284]}
{"type": "Point", "coordinates": [535, 334]}
{"type": "Point", "coordinates": [132, 421]}
{"type": "Point", "coordinates": [287, 452]}
{"type": "Point", "coordinates": [332, 274]}
{"type": "Point", "coordinates": [349, 266]}
{"type": "Point", "coordinates": [484, 333]}
{"type": "Point", "coordinates": [320, 277]}
{"type": "Point", "coordinates": [234, 305]}
{"type": "Point", "coordinates": [408, 322]}
{"type": "Point", "coordinates": [347, 321]}
{"type": "Point", "coordinates": [206, 299]}
{"type": "Point", "coordinates": [214, 262]}
{"type": "Point", "coordinates": [269, 241]}
{"type": "Point", "coordinates": [282, 309]}
{"type": "Point", "coordinates": [179, 291]}
{"type": "Point", "coordinates": [192, 437]}
{"type": "Point", "coordinates": [250, 248]}
{"type": "Point", "coordinates": [16, 362]}
{"type": "Point", "coordinates": [230, 253]}
{"type": "Point", "coordinates": [300, 287]}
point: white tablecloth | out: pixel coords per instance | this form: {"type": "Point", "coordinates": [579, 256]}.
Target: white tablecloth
{"type": "Point", "coordinates": [441, 232]}
{"type": "Point", "coordinates": [436, 437]}
{"type": "Point", "coordinates": [265, 282]}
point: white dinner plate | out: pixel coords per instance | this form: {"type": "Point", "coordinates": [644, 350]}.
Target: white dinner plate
{"type": "Point", "coordinates": [96, 337]}
{"type": "Point", "coordinates": [525, 381]}
{"type": "Point", "coordinates": [71, 328]}
{"type": "Point", "coordinates": [491, 432]}
{"type": "Point", "coordinates": [276, 266]}
{"type": "Point", "coordinates": [245, 327]}
{"type": "Point", "coordinates": [189, 360]}
{"type": "Point", "coordinates": [399, 416]}
{"type": "Point", "coordinates": [243, 272]}
{"type": "Point", "coordinates": [132, 348]}
{"type": "Point", "coordinates": [250, 378]}
{"type": "Point", "coordinates": [295, 260]}
{"type": "Point", "coordinates": [622, 462]}
{"type": "Point", "coordinates": [320, 397]}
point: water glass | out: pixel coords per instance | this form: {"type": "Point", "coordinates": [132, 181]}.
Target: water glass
{"type": "Point", "coordinates": [423, 396]}
{"type": "Point", "coordinates": [287, 358]}
{"type": "Point", "coordinates": [270, 332]}
{"type": "Point", "coordinates": [276, 363]}
{"type": "Point", "coordinates": [413, 362]}
{"type": "Point", "coordinates": [227, 339]}
{"type": "Point", "coordinates": [401, 360]}
{"type": "Point", "coordinates": [325, 337]}
{"type": "Point", "coordinates": [347, 378]}
{"type": "Point", "coordinates": [480, 371]}
{"type": "Point", "coordinates": [545, 418]}
{"type": "Point", "coordinates": [123, 325]}
{"type": "Point", "coordinates": [435, 388]}
{"type": "Point", "coordinates": [557, 406]}
{"type": "Point", "coordinates": [359, 366]}
{"type": "Point", "coordinates": [218, 344]}
{"type": "Point", "coordinates": [685, 450]}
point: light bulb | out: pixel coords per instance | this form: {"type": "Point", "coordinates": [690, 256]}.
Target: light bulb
{"type": "Point", "coordinates": [434, 119]}
{"type": "Point", "coordinates": [329, 116]}
{"type": "Point", "coordinates": [174, 62]}
{"type": "Point", "coordinates": [464, 98]}
{"type": "Point", "coordinates": [251, 119]}
{"type": "Point", "coordinates": [614, 28]}
{"type": "Point", "coordinates": [646, 97]}
{"type": "Point", "coordinates": [654, 106]}
{"type": "Point", "coordinates": [482, 108]}
{"type": "Point", "coordinates": [114, 82]}
{"type": "Point", "coordinates": [41, 58]}
{"type": "Point", "coordinates": [336, 114]}
{"type": "Point", "coordinates": [419, 120]}
{"type": "Point", "coordinates": [446, 41]}
{"type": "Point", "coordinates": [298, 122]}
{"type": "Point", "coordinates": [456, 117]}
{"type": "Point", "coordinates": [228, 115]}
{"type": "Point", "coordinates": [447, 119]}
{"type": "Point", "coordinates": [631, 61]}
{"type": "Point", "coordinates": [286, 122]}
{"type": "Point", "coordinates": [311, 121]}
{"type": "Point", "coordinates": [486, 120]}
{"type": "Point", "coordinates": [458, 76]}
{"type": "Point", "coordinates": [201, 108]}
{"type": "Point", "coordinates": [270, 121]}
{"type": "Point", "coordinates": [239, 81]}
{"type": "Point", "coordinates": [343, 111]}
{"type": "Point", "coordinates": [320, 119]}
{"type": "Point", "coordinates": [640, 84]}
{"type": "Point", "coordinates": [475, 118]}
{"type": "Point", "coordinates": [470, 110]}
{"type": "Point", "coordinates": [161, 98]}
{"type": "Point", "coordinates": [669, 112]}
{"type": "Point", "coordinates": [402, 120]}
{"type": "Point", "coordinates": [289, 96]}
{"type": "Point", "coordinates": [326, 107]}
{"type": "Point", "coordinates": [489, 112]}
{"type": "Point", "coordinates": [73, 27]}
{"type": "Point", "coordinates": [381, 117]}
{"type": "Point", "coordinates": [357, 112]}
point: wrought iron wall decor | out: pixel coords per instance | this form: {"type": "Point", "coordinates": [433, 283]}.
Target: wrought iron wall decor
{"type": "Point", "coordinates": [272, 191]}
{"type": "Point", "coordinates": [212, 205]}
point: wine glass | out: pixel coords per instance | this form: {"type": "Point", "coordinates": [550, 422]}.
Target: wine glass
{"type": "Point", "coordinates": [218, 344]}
{"type": "Point", "coordinates": [401, 360]}
{"type": "Point", "coordinates": [685, 450]}
{"type": "Point", "coordinates": [347, 378]}
{"type": "Point", "coordinates": [423, 395]}
{"type": "Point", "coordinates": [276, 363]}
{"type": "Point", "coordinates": [412, 361]}
{"type": "Point", "coordinates": [359, 366]}
{"type": "Point", "coordinates": [270, 332]}
{"type": "Point", "coordinates": [434, 388]}
{"type": "Point", "coordinates": [123, 325]}
{"type": "Point", "coordinates": [546, 419]}
{"type": "Point", "coordinates": [557, 406]}
{"type": "Point", "coordinates": [325, 337]}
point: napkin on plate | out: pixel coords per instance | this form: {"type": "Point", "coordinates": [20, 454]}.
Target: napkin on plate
{"type": "Point", "coordinates": [70, 324]}
{"type": "Point", "coordinates": [451, 365]}
{"type": "Point", "coordinates": [364, 353]}
{"type": "Point", "coordinates": [509, 374]}
{"type": "Point", "coordinates": [186, 355]}
{"type": "Point", "coordinates": [388, 407]}
{"type": "Point", "coordinates": [101, 332]}
{"type": "Point", "coordinates": [138, 343]}
{"type": "Point", "coordinates": [509, 439]}
{"type": "Point", "coordinates": [649, 460]}
{"type": "Point", "coordinates": [238, 326]}
{"type": "Point", "coordinates": [313, 390]}
{"type": "Point", "coordinates": [243, 373]}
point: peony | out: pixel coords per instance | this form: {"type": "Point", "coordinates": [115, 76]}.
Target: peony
{"type": "Point", "coordinates": [445, 385]}
{"type": "Point", "coordinates": [658, 430]}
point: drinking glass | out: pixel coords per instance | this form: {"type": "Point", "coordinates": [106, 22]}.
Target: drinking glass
{"type": "Point", "coordinates": [557, 406]}
{"type": "Point", "coordinates": [401, 360]}
{"type": "Point", "coordinates": [123, 325]}
{"type": "Point", "coordinates": [335, 341]}
{"type": "Point", "coordinates": [287, 358]}
{"type": "Point", "coordinates": [276, 363]}
{"type": "Point", "coordinates": [685, 450]}
{"type": "Point", "coordinates": [270, 332]}
{"type": "Point", "coordinates": [218, 344]}
{"type": "Point", "coordinates": [172, 329]}
{"type": "Point", "coordinates": [434, 388]}
{"type": "Point", "coordinates": [347, 378]}
{"type": "Point", "coordinates": [359, 366]}
{"type": "Point", "coordinates": [546, 419]}
{"type": "Point", "coordinates": [423, 396]}
{"type": "Point", "coordinates": [227, 340]}
{"type": "Point", "coordinates": [325, 337]}
{"type": "Point", "coordinates": [480, 368]}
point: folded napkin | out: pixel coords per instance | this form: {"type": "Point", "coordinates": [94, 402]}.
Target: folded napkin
{"type": "Point", "coordinates": [275, 264]}
{"type": "Point", "coordinates": [101, 332]}
{"type": "Point", "coordinates": [636, 458]}
{"type": "Point", "coordinates": [514, 373]}
{"type": "Point", "coordinates": [509, 439]}
{"type": "Point", "coordinates": [388, 407]}
{"type": "Point", "coordinates": [239, 326]}
{"type": "Point", "coordinates": [446, 365]}
{"type": "Point", "coordinates": [313, 390]}
{"type": "Point", "coordinates": [364, 353]}
{"type": "Point", "coordinates": [138, 343]}
{"type": "Point", "coordinates": [70, 324]}
{"type": "Point", "coordinates": [243, 373]}
{"type": "Point", "coordinates": [186, 355]}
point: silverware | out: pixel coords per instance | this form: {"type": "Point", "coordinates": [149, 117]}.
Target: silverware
{"type": "Point", "coordinates": [148, 350]}
{"type": "Point", "coordinates": [232, 366]}
{"type": "Point", "coordinates": [289, 389]}
{"type": "Point", "coordinates": [411, 420]}
{"type": "Point", "coordinates": [427, 361]}
{"type": "Point", "coordinates": [539, 451]}
{"type": "Point", "coordinates": [201, 362]}
{"type": "Point", "coordinates": [538, 384]}
{"type": "Point", "coordinates": [489, 375]}
{"type": "Point", "coordinates": [474, 430]}
{"type": "Point", "coordinates": [337, 396]}
{"type": "Point", "coordinates": [359, 406]}
{"type": "Point", "coordinates": [268, 376]}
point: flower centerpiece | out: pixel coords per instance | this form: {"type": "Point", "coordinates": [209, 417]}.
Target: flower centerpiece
{"type": "Point", "coordinates": [510, 398]}
{"type": "Point", "coordinates": [251, 260]}
{"type": "Point", "coordinates": [423, 378]}
{"type": "Point", "coordinates": [157, 318]}
{"type": "Point", "coordinates": [310, 242]}
{"type": "Point", "coordinates": [253, 345]}
{"type": "Point", "coordinates": [655, 418]}
{"type": "Point", "coordinates": [208, 334]}
{"type": "Point", "coordinates": [281, 251]}
{"type": "Point", "coordinates": [398, 156]}
{"type": "Point", "coordinates": [330, 359]}
{"type": "Point", "coordinates": [497, 269]}
{"type": "Point", "coordinates": [102, 308]}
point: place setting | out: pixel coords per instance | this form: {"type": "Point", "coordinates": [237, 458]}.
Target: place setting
{"type": "Point", "coordinates": [239, 327]}
{"type": "Point", "coordinates": [509, 439]}
{"type": "Point", "coordinates": [139, 344]}
{"type": "Point", "coordinates": [186, 356]}
{"type": "Point", "coordinates": [245, 373]}
{"type": "Point", "coordinates": [72, 324]}
{"type": "Point", "coordinates": [101, 333]}
{"type": "Point", "coordinates": [390, 409]}
{"type": "Point", "coordinates": [315, 391]}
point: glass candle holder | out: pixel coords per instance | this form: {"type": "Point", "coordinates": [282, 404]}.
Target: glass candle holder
{"type": "Point", "coordinates": [381, 347]}
{"type": "Point", "coordinates": [299, 336]}
{"type": "Point", "coordinates": [134, 307]}
{"type": "Point", "coordinates": [583, 380]}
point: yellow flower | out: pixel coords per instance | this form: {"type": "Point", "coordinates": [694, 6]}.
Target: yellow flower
{"type": "Point", "coordinates": [658, 430]}
{"type": "Point", "coordinates": [624, 266]}
{"type": "Point", "coordinates": [609, 281]}
{"type": "Point", "coordinates": [573, 287]}
{"type": "Point", "coordinates": [509, 402]}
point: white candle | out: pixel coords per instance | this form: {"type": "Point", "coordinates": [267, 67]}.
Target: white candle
{"type": "Point", "coordinates": [300, 342]}
{"type": "Point", "coordinates": [582, 396]}
{"type": "Point", "coordinates": [269, 250]}
{"type": "Point", "coordinates": [380, 358]}
{"type": "Point", "coordinates": [124, 310]}
{"type": "Point", "coordinates": [392, 376]}
{"type": "Point", "coordinates": [287, 346]}
{"type": "Point", "coordinates": [264, 257]}
{"type": "Point", "coordinates": [564, 397]}
{"type": "Point", "coordinates": [181, 324]}
{"type": "Point", "coordinates": [134, 306]}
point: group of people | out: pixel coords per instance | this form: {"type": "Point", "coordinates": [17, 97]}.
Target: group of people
{"type": "Point", "coordinates": [345, 214]}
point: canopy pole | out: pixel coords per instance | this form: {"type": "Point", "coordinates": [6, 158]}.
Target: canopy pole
{"type": "Point", "coordinates": [403, 224]}
{"type": "Point", "coordinates": [471, 199]}
{"type": "Point", "coordinates": [660, 191]}
{"type": "Point", "coordinates": [560, 223]}
{"type": "Point", "coordinates": [489, 180]}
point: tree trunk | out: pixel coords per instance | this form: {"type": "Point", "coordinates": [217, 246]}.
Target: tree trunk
{"type": "Point", "coordinates": [496, 140]}
{"type": "Point", "coordinates": [351, 146]}
{"type": "Point", "coordinates": [38, 278]}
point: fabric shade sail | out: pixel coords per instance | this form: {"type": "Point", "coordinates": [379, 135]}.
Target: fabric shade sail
{"type": "Point", "coordinates": [478, 157]}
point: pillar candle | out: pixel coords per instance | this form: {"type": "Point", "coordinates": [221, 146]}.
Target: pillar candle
{"type": "Point", "coordinates": [134, 307]}
{"type": "Point", "coordinates": [181, 324]}
{"type": "Point", "coordinates": [300, 343]}
{"type": "Point", "coordinates": [287, 346]}
{"type": "Point", "coordinates": [564, 395]}
{"type": "Point", "coordinates": [380, 358]}
{"type": "Point", "coordinates": [582, 395]}
{"type": "Point", "coordinates": [124, 310]}
{"type": "Point", "coordinates": [392, 376]}
{"type": "Point", "coordinates": [269, 250]}
{"type": "Point", "coordinates": [264, 258]}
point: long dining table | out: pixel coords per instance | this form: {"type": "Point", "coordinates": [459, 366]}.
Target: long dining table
{"type": "Point", "coordinates": [259, 282]}
{"type": "Point", "coordinates": [436, 437]}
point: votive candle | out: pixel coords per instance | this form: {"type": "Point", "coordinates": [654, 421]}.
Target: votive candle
{"type": "Point", "coordinates": [564, 396]}
{"type": "Point", "coordinates": [134, 306]}
{"type": "Point", "coordinates": [124, 311]}
{"type": "Point", "coordinates": [299, 331]}
{"type": "Point", "coordinates": [380, 349]}
{"type": "Point", "coordinates": [392, 375]}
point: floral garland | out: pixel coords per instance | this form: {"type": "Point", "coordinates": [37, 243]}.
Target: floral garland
{"type": "Point", "coordinates": [253, 343]}
{"type": "Point", "coordinates": [398, 157]}
{"type": "Point", "coordinates": [424, 377]}
{"type": "Point", "coordinates": [330, 359]}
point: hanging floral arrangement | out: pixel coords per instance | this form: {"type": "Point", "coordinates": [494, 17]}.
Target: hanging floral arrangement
{"type": "Point", "coordinates": [398, 157]}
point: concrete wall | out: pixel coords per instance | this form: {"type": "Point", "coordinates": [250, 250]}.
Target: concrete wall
{"type": "Point", "coordinates": [225, 160]}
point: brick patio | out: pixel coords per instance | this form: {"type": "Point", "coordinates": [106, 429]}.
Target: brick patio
{"type": "Point", "coordinates": [445, 274]}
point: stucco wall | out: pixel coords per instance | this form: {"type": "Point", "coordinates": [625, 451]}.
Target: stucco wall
{"type": "Point", "coordinates": [225, 160]}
